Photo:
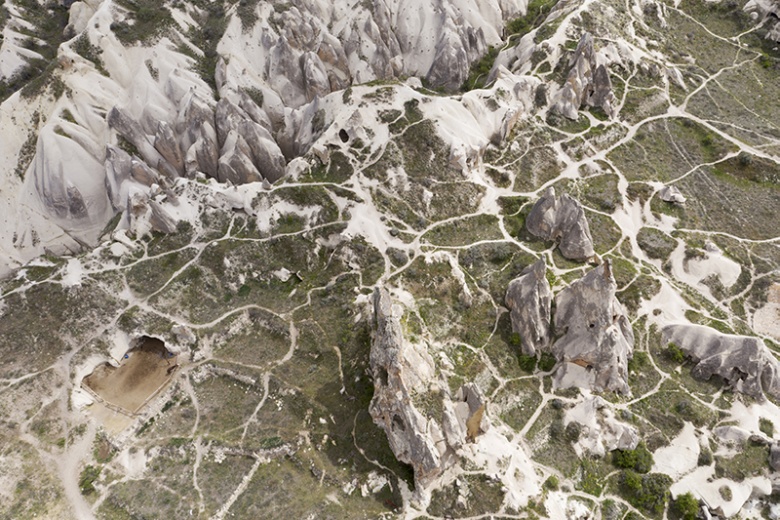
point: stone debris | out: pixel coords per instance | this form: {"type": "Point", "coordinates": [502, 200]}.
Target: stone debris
{"type": "Point", "coordinates": [600, 431]}
{"type": "Point", "coordinates": [743, 362]}
{"type": "Point", "coordinates": [562, 218]}
{"type": "Point", "coordinates": [597, 337]}
{"type": "Point", "coordinates": [529, 298]}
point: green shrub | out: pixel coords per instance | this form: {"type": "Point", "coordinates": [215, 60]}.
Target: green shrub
{"type": "Point", "coordinates": [546, 362]}
{"type": "Point", "coordinates": [639, 459]}
{"type": "Point", "coordinates": [87, 479]}
{"type": "Point", "coordinates": [527, 363]}
{"type": "Point", "coordinates": [686, 506]}
{"type": "Point", "coordinates": [675, 353]}
{"type": "Point", "coordinates": [766, 426]}
{"type": "Point", "coordinates": [647, 492]}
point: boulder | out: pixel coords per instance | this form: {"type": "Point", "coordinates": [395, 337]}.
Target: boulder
{"type": "Point", "coordinates": [671, 194]}
{"type": "Point", "coordinates": [597, 337]}
{"type": "Point", "coordinates": [528, 298]}
{"type": "Point", "coordinates": [743, 362]}
{"type": "Point", "coordinates": [562, 218]}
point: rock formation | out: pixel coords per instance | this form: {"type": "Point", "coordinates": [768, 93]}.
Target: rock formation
{"type": "Point", "coordinates": [400, 370]}
{"type": "Point", "coordinates": [587, 84]}
{"type": "Point", "coordinates": [671, 194]}
{"type": "Point", "coordinates": [404, 379]}
{"type": "Point", "coordinates": [563, 219]}
{"type": "Point", "coordinates": [597, 337]}
{"type": "Point", "coordinates": [529, 297]}
{"type": "Point", "coordinates": [744, 363]}
{"type": "Point", "coordinates": [600, 431]}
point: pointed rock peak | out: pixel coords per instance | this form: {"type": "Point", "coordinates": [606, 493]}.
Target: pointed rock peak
{"type": "Point", "coordinates": [562, 218]}
{"type": "Point", "coordinates": [529, 299]}
{"type": "Point", "coordinates": [598, 339]}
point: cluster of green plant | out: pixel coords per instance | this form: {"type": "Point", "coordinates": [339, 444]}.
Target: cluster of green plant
{"type": "Point", "coordinates": [766, 426]}
{"type": "Point", "coordinates": [479, 70]}
{"type": "Point", "coordinates": [535, 14]}
{"type": "Point", "coordinates": [247, 13]}
{"type": "Point", "coordinates": [150, 18]}
{"type": "Point", "coordinates": [686, 506]}
{"type": "Point", "coordinates": [674, 353]}
{"type": "Point", "coordinates": [639, 459]}
{"type": "Point", "coordinates": [205, 36]}
{"type": "Point", "coordinates": [26, 154]}
{"type": "Point", "coordinates": [84, 48]}
{"type": "Point", "coordinates": [546, 362]}
{"type": "Point", "coordinates": [649, 492]}
{"type": "Point", "coordinates": [87, 479]}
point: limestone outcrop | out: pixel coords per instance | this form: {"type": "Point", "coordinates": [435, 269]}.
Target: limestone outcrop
{"type": "Point", "coordinates": [587, 84]}
{"type": "Point", "coordinates": [529, 298]}
{"type": "Point", "coordinates": [743, 362]}
{"type": "Point", "coordinates": [562, 218]}
{"type": "Point", "coordinates": [597, 337]}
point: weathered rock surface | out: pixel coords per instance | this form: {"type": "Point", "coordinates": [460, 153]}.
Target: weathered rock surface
{"type": "Point", "coordinates": [588, 83]}
{"type": "Point", "coordinates": [744, 363]}
{"type": "Point", "coordinates": [529, 298]}
{"type": "Point", "coordinates": [671, 194]}
{"type": "Point", "coordinates": [562, 218]}
{"type": "Point", "coordinates": [598, 339]}
{"type": "Point", "coordinates": [404, 380]}
{"type": "Point", "coordinates": [400, 370]}
{"type": "Point", "coordinates": [600, 431]}
{"type": "Point", "coordinates": [774, 456]}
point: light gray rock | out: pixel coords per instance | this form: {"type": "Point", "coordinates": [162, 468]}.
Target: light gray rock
{"type": "Point", "coordinates": [562, 218]}
{"type": "Point", "coordinates": [424, 425]}
{"type": "Point", "coordinates": [134, 133]}
{"type": "Point", "coordinates": [528, 298]}
{"type": "Point", "coordinates": [243, 143]}
{"type": "Point", "coordinates": [587, 83]}
{"type": "Point", "coordinates": [160, 219]}
{"type": "Point", "coordinates": [671, 194]}
{"type": "Point", "coordinates": [743, 362]}
{"type": "Point", "coordinates": [774, 456]}
{"type": "Point", "coordinates": [165, 142]}
{"type": "Point", "coordinates": [400, 370]}
{"type": "Point", "coordinates": [597, 335]}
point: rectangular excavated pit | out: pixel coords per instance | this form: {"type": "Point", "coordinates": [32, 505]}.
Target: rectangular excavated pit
{"type": "Point", "coordinates": [142, 373]}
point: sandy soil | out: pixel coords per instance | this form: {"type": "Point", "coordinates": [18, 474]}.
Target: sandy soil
{"type": "Point", "coordinates": [142, 371]}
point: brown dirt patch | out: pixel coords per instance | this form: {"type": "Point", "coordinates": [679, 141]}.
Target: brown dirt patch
{"type": "Point", "coordinates": [142, 372]}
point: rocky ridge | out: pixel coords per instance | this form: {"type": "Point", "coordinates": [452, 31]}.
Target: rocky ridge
{"type": "Point", "coordinates": [387, 185]}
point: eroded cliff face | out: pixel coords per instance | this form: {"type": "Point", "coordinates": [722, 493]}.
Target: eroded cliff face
{"type": "Point", "coordinates": [588, 83]}
{"type": "Point", "coordinates": [743, 363]}
{"type": "Point", "coordinates": [528, 298]}
{"type": "Point", "coordinates": [425, 426]}
{"type": "Point", "coordinates": [235, 94]}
